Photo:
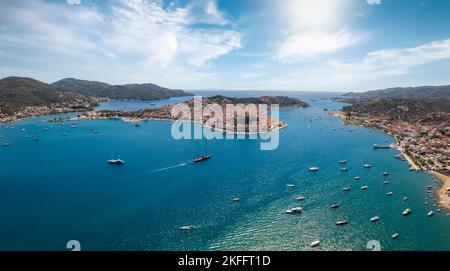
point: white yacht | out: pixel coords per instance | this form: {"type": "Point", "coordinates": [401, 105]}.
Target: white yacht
{"type": "Point", "coordinates": [395, 235]}
{"type": "Point", "coordinates": [405, 198]}
{"type": "Point", "coordinates": [346, 189]}
{"type": "Point", "coordinates": [343, 161]}
{"type": "Point", "coordinates": [364, 187]}
{"type": "Point", "coordinates": [357, 178]}
{"type": "Point", "coordinates": [116, 162]}
{"type": "Point", "coordinates": [290, 185]}
{"type": "Point", "coordinates": [315, 243]}
{"type": "Point", "coordinates": [406, 212]}
{"type": "Point", "coordinates": [385, 173]}
{"type": "Point", "coordinates": [300, 198]}
{"type": "Point", "coordinates": [367, 166]}
{"type": "Point", "coordinates": [390, 193]}
{"type": "Point", "coordinates": [236, 199]}
{"type": "Point", "coordinates": [314, 168]}
{"type": "Point", "coordinates": [375, 219]}
{"type": "Point", "coordinates": [187, 228]}
{"type": "Point", "coordinates": [386, 182]}
{"type": "Point", "coordinates": [341, 222]}
{"type": "Point", "coordinates": [335, 205]}
{"type": "Point", "coordinates": [294, 210]}
{"type": "Point", "coordinates": [430, 213]}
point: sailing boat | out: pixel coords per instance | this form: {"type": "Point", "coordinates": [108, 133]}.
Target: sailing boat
{"type": "Point", "coordinates": [201, 158]}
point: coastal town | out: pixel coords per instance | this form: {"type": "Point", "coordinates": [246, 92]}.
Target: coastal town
{"type": "Point", "coordinates": [428, 145]}
{"type": "Point", "coordinates": [425, 144]}
{"type": "Point", "coordinates": [247, 116]}
{"type": "Point", "coordinates": [75, 105]}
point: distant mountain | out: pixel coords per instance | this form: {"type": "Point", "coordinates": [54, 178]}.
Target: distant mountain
{"type": "Point", "coordinates": [406, 93]}
{"type": "Point", "coordinates": [126, 92]}
{"type": "Point", "coordinates": [282, 101]}
{"type": "Point", "coordinates": [17, 92]}
{"type": "Point", "coordinates": [90, 88]}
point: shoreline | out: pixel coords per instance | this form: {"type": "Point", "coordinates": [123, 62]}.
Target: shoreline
{"type": "Point", "coordinates": [137, 120]}
{"type": "Point", "coordinates": [442, 195]}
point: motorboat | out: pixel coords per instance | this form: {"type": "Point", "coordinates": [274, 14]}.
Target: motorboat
{"type": "Point", "coordinates": [300, 198]}
{"type": "Point", "coordinates": [314, 168]}
{"type": "Point", "coordinates": [357, 178]}
{"type": "Point", "coordinates": [390, 193]}
{"type": "Point", "coordinates": [187, 228]}
{"type": "Point", "coordinates": [364, 187]}
{"type": "Point", "coordinates": [335, 206]}
{"type": "Point", "coordinates": [290, 185]}
{"type": "Point", "coordinates": [341, 222]}
{"type": "Point", "coordinates": [430, 213]}
{"type": "Point", "coordinates": [406, 212]}
{"type": "Point", "coordinates": [346, 189]}
{"type": "Point", "coordinates": [116, 162]}
{"type": "Point", "coordinates": [315, 244]}
{"type": "Point", "coordinates": [375, 219]}
{"type": "Point", "coordinates": [395, 235]}
{"type": "Point", "coordinates": [294, 210]}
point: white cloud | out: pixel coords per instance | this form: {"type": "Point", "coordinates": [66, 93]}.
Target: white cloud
{"type": "Point", "coordinates": [137, 41]}
{"type": "Point", "coordinates": [254, 75]}
{"type": "Point", "coordinates": [74, 2]}
{"type": "Point", "coordinates": [374, 2]}
{"type": "Point", "coordinates": [310, 44]}
{"type": "Point", "coordinates": [314, 28]}
{"type": "Point", "coordinates": [395, 61]}
{"type": "Point", "coordinates": [375, 70]}
{"type": "Point", "coordinates": [206, 11]}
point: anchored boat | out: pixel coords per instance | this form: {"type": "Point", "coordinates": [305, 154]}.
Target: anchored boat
{"type": "Point", "coordinates": [116, 162]}
{"type": "Point", "coordinates": [204, 157]}
{"type": "Point", "coordinates": [294, 210]}
{"type": "Point", "coordinates": [187, 228]}
{"type": "Point", "coordinates": [406, 212]}
{"type": "Point", "coordinates": [341, 222]}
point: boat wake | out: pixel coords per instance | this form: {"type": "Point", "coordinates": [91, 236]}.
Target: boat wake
{"type": "Point", "coordinates": [171, 167]}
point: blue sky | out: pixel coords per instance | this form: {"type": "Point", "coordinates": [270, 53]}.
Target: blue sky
{"type": "Point", "coordinates": [310, 45]}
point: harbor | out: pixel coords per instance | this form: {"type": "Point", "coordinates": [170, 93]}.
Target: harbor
{"type": "Point", "coordinates": [236, 200]}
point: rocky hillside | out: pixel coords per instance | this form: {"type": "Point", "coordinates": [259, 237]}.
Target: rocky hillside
{"type": "Point", "coordinates": [405, 93]}
{"type": "Point", "coordinates": [18, 92]}
{"type": "Point", "coordinates": [403, 109]}
{"type": "Point", "coordinates": [126, 92]}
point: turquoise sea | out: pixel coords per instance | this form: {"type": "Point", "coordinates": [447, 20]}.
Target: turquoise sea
{"type": "Point", "coordinates": [61, 188]}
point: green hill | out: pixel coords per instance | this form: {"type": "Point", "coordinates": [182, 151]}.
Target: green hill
{"type": "Point", "coordinates": [17, 92]}
{"type": "Point", "coordinates": [408, 92]}
{"type": "Point", "coordinates": [90, 88]}
{"type": "Point", "coordinates": [126, 92]}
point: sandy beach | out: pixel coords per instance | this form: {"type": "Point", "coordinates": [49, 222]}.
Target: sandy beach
{"type": "Point", "coordinates": [442, 193]}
